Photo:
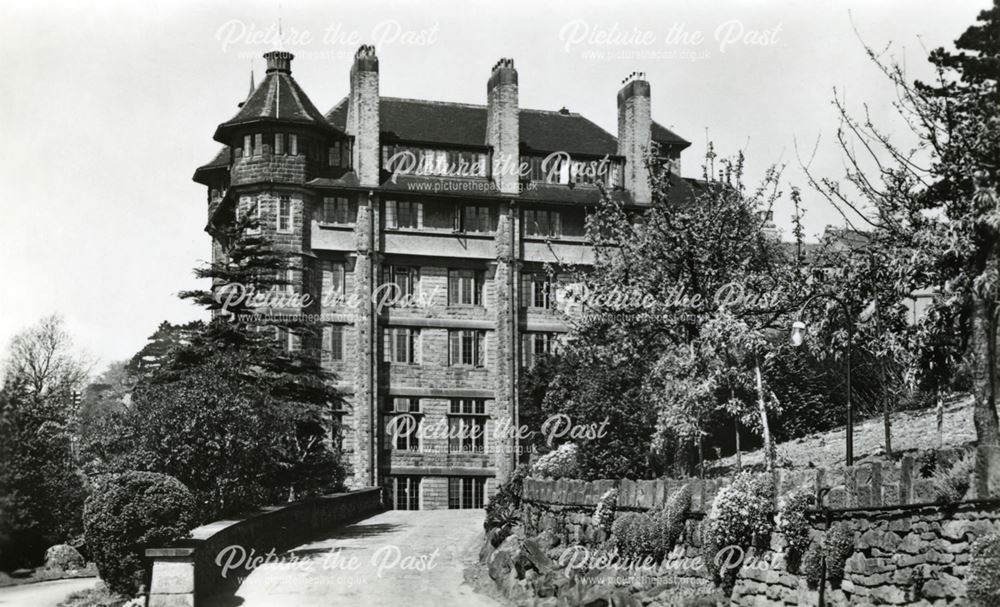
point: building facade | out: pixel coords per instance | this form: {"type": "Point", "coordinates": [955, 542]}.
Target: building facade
{"type": "Point", "coordinates": [433, 238]}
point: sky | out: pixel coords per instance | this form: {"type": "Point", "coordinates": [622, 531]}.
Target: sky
{"type": "Point", "coordinates": [106, 109]}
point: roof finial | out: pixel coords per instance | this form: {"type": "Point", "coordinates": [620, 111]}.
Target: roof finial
{"type": "Point", "coordinates": [253, 87]}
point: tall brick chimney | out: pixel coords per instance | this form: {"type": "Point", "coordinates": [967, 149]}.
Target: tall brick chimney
{"type": "Point", "coordinates": [363, 115]}
{"type": "Point", "coordinates": [502, 125]}
{"type": "Point", "coordinates": [634, 124]}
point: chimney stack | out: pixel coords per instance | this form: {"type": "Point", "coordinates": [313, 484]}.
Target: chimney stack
{"type": "Point", "coordinates": [634, 127]}
{"type": "Point", "coordinates": [363, 115]}
{"type": "Point", "coordinates": [278, 61]}
{"type": "Point", "coordinates": [502, 125]}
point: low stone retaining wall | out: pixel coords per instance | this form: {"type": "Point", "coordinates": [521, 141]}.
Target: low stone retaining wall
{"type": "Point", "coordinates": [905, 552]}
{"type": "Point", "coordinates": [186, 572]}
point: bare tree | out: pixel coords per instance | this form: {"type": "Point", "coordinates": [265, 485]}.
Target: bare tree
{"type": "Point", "coordinates": [43, 361]}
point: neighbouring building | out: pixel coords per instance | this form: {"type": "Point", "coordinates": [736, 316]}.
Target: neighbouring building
{"type": "Point", "coordinates": [458, 219]}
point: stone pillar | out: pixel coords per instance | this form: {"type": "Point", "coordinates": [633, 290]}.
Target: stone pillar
{"type": "Point", "coordinates": [505, 366]}
{"type": "Point", "coordinates": [502, 126]}
{"type": "Point", "coordinates": [634, 124]}
{"type": "Point", "coordinates": [366, 448]}
{"type": "Point", "coordinates": [363, 115]}
{"type": "Point", "coordinates": [172, 579]}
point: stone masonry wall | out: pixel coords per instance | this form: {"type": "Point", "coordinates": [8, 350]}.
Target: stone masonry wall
{"type": "Point", "coordinates": [906, 551]}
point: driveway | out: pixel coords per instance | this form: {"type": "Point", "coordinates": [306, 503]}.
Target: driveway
{"type": "Point", "coordinates": [43, 594]}
{"type": "Point", "coordinates": [413, 558]}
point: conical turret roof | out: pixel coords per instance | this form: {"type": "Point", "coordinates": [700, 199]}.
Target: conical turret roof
{"type": "Point", "coordinates": [278, 98]}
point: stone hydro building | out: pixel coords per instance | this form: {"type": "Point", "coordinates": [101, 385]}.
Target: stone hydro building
{"type": "Point", "coordinates": [433, 237]}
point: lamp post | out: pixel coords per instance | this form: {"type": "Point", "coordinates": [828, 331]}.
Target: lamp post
{"type": "Point", "coordinates": [798, 337]}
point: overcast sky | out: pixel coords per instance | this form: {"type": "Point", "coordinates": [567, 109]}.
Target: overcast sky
{"type": "Point", "coordinates": [106, 109]}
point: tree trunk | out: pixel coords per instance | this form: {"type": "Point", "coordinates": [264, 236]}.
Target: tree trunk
{"type": "Point", "coordinates": [739, 454]}
{"type": "Point", "coordinates": [940, 418]}
{"type": "Point", "coordinates": [984, 374]}
{"type": "Point", "coordinates": [701, 456]}
{"type": "Point", "coordinates": [769, 452]}
{"type": "Point", "coordinates": [886, 402]}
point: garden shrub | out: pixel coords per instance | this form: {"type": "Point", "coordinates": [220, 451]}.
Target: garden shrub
{"type": "Point", "coordinates": [503, 511]}
{"type": "Point", "coordinates": [983, 582]}
{"type": "Point", "coordinates": [633, 534]}
{"type": "Point", "coordinates": [791, 522]}
{"type": "Point", "coordinates": [131, 512]}
{"type": "Point", "coordinates": [812, 563]}
{"type": "Point", "coordinates": [837, 546]}
{"type": "Point", "coordinates": [952, 483]}
{"type": "Point", "coordinates": [671, 519]}
{"type": "Point", "coordinates": [742, 515]}
{"type": "Point", "coordinates": [561, 463]}
{"type": "Point", "coordinates": [652, 534]}
{"type": "Point", "coordinates": [604, 513]}
{"type": "Point", "coordinates": [63, 557]}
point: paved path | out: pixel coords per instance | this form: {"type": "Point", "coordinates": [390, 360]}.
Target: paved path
{"type": "Point", "coordinates": [394, 558]}
{"type": "Point", "coordinates": [43, 594]}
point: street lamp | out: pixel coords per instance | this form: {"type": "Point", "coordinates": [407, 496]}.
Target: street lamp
{"type": "Point", "coordinates": [798, 337]}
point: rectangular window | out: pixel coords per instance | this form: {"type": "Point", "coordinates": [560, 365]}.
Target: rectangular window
{"type": "Point", "coordinates": [284, 214]}
{"type": "Point", "coordinates": [467, 348]}
{"type": "Point", "coordinates": [537, 290]}
{"type": "Point", "coordinates": [535, 345]}
{"type": "Point", "coordinates": [405, 280]}
{"type": "Point", "coordinates": [286, 280]}
{"type": "Point", "coordinates": [333, 341]}
{"type": "Point", "coordinates": [279, 143]}
{"type": "Point", "coordinates": [337, 210]}
{"type": "Point", "coordinates": [405, 492]}
{"type": "Point", "coordinates": [542, 223]}
{"type": "Point", "coordinates": [294, 341]}
{"type": "Point", "coordinates": [247, 146]}
{"type": "Point", "coordinates": [334, 278]}
{"type": "Point", "coordinates": [475, 219]}
{"type": "Point", "coordinates": [465, 492]}
{"type": "Point", "coordinates": [258, 144]}
{"type": "Point", "coordinates": [293, 144]}
{"type": "Point", "coordinates": [403, 423]}
{"type": "Point", "coordinates": [405, 214]}
{"type": "Point", "coordinates": [401, 345]}
{"type": "Point", "coordinates": [465, 287]}
{"type": "Point", "coordinates": [467, 425]}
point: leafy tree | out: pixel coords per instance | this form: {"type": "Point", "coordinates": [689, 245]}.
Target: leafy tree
{"type": "Point", "coordinates": [699, 248]}
{"type": "Point", "coordinates": [937, 206]}
{"type": "Point", "coordinates": [161, 344]}
{"type": "Point", "coordinates": [42, 488]}
{"type": "Point", "coordinates": [228, 410]}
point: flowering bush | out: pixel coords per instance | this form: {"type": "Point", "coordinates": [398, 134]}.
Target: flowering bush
{"type": "Point", "coordinates": [670, 521]}
{"type": "Point", "coordinates": [561, 463]}
{"type": "Point", "coordinates": [604, 513]}
{"type": "Point", "coordinates": [983, 582]}
{"type": "Point", "coordinates": [742, 516]}
{"type": "Point", "coordinates": [634, 534]}
{"type": "Point", "coordinates": [652, 534]}
{"type": "Point", "coordinates": [791, 522]}
{"type": "Point", "coordinates": [836, 548]}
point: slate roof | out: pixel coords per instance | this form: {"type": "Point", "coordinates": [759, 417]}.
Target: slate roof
{"type": "Point", "coordinates": [662, 134]}
{"type": "Point", "coordinates": [279, 97]}
{"type": "Point", "coordinates": [464, 124]}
